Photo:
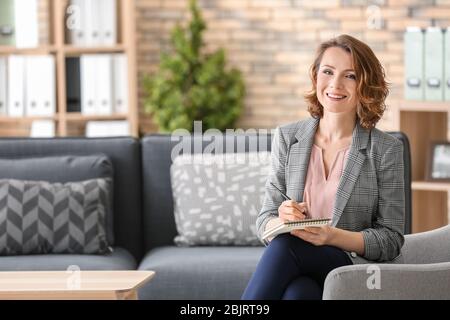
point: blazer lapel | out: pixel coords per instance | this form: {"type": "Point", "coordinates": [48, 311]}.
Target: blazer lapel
{"type": "Point", "coordinates": [298, 159]}
{"type": "Point", "coordinates": [351, 171]}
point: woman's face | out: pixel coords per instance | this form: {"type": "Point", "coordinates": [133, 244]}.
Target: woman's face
{"type": "Point", "coordinates": [336, 82]}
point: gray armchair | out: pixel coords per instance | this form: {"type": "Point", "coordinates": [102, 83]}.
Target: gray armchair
{"type": "Point", "coordinates": [424, 272]}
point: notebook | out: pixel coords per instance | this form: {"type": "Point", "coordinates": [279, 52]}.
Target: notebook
{"type": "Point", "coordinates": [294, 225]}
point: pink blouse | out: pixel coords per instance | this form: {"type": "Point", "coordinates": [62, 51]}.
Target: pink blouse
{"type": "Point", "coordinates": [320, 191]}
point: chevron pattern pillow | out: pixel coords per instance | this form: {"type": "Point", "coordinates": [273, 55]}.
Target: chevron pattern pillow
{"type": "Point", "coordinates": [38, 217]}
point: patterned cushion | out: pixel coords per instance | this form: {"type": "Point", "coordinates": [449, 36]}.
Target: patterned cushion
{"type": "Point", "coordinates": [38, 217]}
{"type": "Point", "coordinates": [218, 197]}
{"type": "Point", "coordinates": [62, 169]}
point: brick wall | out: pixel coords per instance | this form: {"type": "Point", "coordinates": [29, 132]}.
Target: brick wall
{"type": "Point", "coordinates": [273, 43]}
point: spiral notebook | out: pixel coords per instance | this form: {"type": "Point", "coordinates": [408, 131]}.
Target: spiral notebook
{"type": "Point", "coordinates": [294, 225]}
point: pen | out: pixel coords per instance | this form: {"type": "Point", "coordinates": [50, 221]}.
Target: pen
{"type": "Point", "coordinates": [284, 196]}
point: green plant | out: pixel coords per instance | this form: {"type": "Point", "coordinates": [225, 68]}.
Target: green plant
{"type": "Point", "coordinates": [191, 86]}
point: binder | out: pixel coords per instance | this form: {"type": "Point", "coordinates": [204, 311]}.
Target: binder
{"type": "Point", "coordinates": [7, 23]}
{"type": "Point", "coordinates": [120, 79]}
{"type": "Point", "coordinates": [40, 99]}
{"type": "Point", "coordinates": [88, 84]}
{"type": "Point", "coordinates": [42, 129]}
{"type": "Point", "coordinates": [73, 81]}
{"type": "Point", "coordinates": [103, 82]}
{"type": "Point", "coordinates": [93, 22]}
{"type": "Point", "coordinates": [97, 129]}
{"type": "Point", "coordinates": [26, 23]}
{"type": "Point", "coordinates": [447, 65]}
{"type": "Point", "coordinates": [414, 64]}
{"type": "Point", "coordinates": [96, 84]}
{"type": "Point", "coordinates": [434, 64]}
{"type": "Point", "coordinates": [16, 81]}
{"type": "Point", "coordinates": [3, 85]}
{"type": "Point", "coordinates": [108, 19]}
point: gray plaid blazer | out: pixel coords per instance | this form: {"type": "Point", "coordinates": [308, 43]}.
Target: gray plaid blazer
{"type": "Point", "coordinates": [370, 195]}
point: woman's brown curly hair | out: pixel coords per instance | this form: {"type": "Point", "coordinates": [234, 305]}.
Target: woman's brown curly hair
{"type": "Point", "coordinates": [372, 88]}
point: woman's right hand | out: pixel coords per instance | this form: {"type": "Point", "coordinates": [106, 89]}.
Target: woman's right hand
{"type": "Point", "coordinates": [291, 210]}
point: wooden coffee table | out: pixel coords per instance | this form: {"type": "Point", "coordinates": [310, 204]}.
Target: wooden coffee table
{"type": "Point", "coordinates": [68, 285]}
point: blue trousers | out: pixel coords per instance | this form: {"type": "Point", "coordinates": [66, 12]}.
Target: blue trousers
{"type": "Point", "coordinates": [293, 269]}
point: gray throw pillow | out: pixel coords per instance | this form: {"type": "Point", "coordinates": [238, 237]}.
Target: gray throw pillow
{"type": "Point", "coordinates": [62, 169]}
{"type": "Point", "coordinates": [38, 217]}
{"type": "Point", "coordinates": [218, 197]}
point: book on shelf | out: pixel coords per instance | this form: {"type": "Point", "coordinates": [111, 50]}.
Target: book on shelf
{"type": "Point", "coordinates": [101, 129]}
{"type": "Point", "coordinates": [42, 129]}
{"type": "Point", "coordinates": [286, 227]}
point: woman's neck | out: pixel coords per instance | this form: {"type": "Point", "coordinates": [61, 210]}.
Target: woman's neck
{"type": "Point", "coordinates": [335, 127]}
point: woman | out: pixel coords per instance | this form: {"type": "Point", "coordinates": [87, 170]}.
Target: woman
{"type": "Point", "coordinates": [334, 165]}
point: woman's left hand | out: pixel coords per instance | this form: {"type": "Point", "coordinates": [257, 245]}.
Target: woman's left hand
{"type": "Point", "coordinates": [318, 236]}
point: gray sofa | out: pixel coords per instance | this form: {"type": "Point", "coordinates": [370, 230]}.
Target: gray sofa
{"type": "Point", "coordinates": [144, 224]}
{"type": "Point", "coordinates": [124, 154]}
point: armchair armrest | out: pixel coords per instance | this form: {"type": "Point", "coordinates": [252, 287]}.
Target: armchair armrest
{"type": "Point", "coordinates": [427, 247]}
{"type": "Point", "coordinates": [388, 281]}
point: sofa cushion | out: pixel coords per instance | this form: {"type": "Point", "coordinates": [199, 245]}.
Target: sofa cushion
{"type": "Point", "coordinates": [218, 197]}
{"type": "Point", "coordinates": [38, 217]}
{"type": "Point", "coordinates": [199, 272]}
{"type": "Point", "coordinates": [61, 169]}
{"type": "Point", "coordinates": [120, 259]}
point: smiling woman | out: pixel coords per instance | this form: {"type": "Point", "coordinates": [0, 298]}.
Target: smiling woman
{"type": "Point", "coordinates": [335, 165]}
{"type": "Point", "coordinates": [353, 65]}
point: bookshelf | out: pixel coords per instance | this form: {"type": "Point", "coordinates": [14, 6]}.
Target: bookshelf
{"type": "Point", "coordinates": [70, 123]}
{"type": "Point", "coordinates": [424, 122]}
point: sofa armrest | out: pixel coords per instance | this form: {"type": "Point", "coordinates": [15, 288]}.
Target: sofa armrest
{"type": "Point", "coordinates": [388, 281]}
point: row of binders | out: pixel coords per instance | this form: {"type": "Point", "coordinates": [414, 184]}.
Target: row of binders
{"type": "Point", "coordinates": [427, 64]}
{"type": "Point", "coordinates": [95, 85]}
{"type": "Point", "coordinates": [91, 22]}
{"type": "Point", "coordinates": [19, 23]}
{"type": "Point", "coordinates": [27, 85]}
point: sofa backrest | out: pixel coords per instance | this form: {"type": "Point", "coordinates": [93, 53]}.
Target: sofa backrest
{"type": "Point", "coordinates": [407, 178]}
{"type": "Point", "coordinates": [159, 221]}
{"type": "Point", "coordinates": [158, 217]}
{"type": "Point", "coordinates": [124, 154]}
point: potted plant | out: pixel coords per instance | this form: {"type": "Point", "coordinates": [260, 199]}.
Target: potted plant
{"type": "Point", "coordinates": [192, 86]}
